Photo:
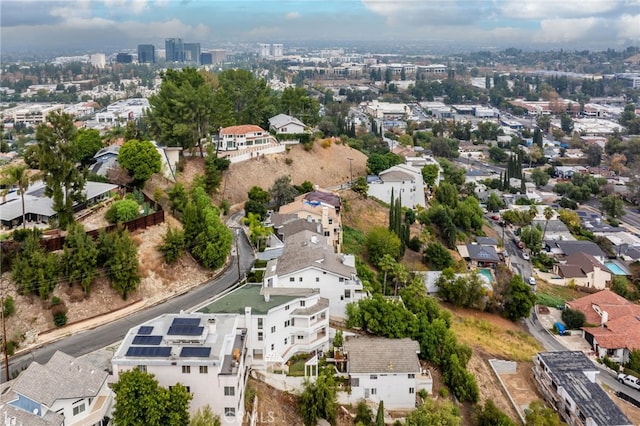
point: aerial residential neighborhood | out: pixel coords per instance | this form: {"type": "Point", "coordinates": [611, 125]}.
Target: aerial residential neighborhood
{"type": "Point", "coordinates": [196, 231]}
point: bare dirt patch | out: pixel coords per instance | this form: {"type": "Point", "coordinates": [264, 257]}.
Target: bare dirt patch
{"type": "Point", "coordinates": [362, 213]}
{"type": "Point", "coordinates": [629, 410]}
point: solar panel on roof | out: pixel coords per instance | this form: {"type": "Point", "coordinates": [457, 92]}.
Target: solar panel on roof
{"type": "Point", "coordinates": [145, 329]}
{"type": "Point", "coordinates": [146, 340]}
{"type": "Point", "coordinates": [185, 330]}
{"type": "Point", "coordinates": [198, 352]}
{"type": "Point", "coordinates": [185, 321]}
{"type": "Point", "coordinates": [149, 351]}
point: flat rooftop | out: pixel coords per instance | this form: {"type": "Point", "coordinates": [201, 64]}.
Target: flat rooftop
{"type": "Point", "coordinates": [252, 295]}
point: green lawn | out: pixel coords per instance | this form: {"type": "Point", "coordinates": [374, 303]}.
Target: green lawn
{"type": "Point", "coordinates": [353, 241]}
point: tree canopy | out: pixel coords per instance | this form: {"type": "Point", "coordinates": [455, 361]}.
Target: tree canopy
{"type": "Point", "coordinates": [141, 159]}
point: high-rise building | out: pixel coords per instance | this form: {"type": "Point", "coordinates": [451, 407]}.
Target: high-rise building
{"type": "Point", "coordinates": [265, 50]}
{"type": "Point", "coordinates": [98, 60]}
{"type": "Point", "coordinates": [124, 58]}
{"type": "Point", "coordinates": [277, 51]}
{"type": "Point", "coordinates": [192, 52]}
{"type": "Point", "coordinates": [174, 50]}
{"type": "Point", "coordinates": [206, 58]}
{"type": "Point", "coordinates": [146, 53]}
{"type": "Point", "coordinates": [219, 55]}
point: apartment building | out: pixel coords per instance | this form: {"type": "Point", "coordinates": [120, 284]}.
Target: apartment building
{"type": "Point", "coordinates": [568, 383]}
{"type": "Point", "coordinates": [207, 353]}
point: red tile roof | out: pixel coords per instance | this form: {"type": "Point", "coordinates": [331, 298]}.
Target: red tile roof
{"type": "Point", "coordinates": [623, 332]}
{"type": "Point", "coordinates": [615, 306]}
{"type": "Point", "coordinates": [242, 129]}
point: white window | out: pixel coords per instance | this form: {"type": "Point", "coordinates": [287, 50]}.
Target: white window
{"type": "Point", "coordinates": [259, 323]}
{"type": "Point", "coordinates": [273, 328]}
{"type": "Point", "coordinates": [286, 307]}
{"type": "Point", "coordinates": [292, 279]}
{"type": "Point", "coordinates": [229, 391]}
{"type": "Point", "coordinates": [317, 279]}
{"type": "Point", "coordinates": [186, 369]}
{"type": "Point", "coordinates": [286, 341]}
{"type": "Point", "coordinates": [204, 369]}
{"type": "Point", "coordinates": [373, 377]}
{"type": "Point", "coordinates": [300, 337]}
{"type": "Point", "coordinates": [341, 279]}
{"type": "Point", "coordinates": [412, 390]}
{"type": "Point", "coordinates": [229, 411]}
{"type": "Point", "coordinates": [78, 409]}
{"type": "Point", "coordinates": [300, 279]}
{"type": "Point", "coordinates": [374, 391]}
{"type": "Point", "coordinates": [142, 368]}
{"type": "Point", "coordinates": [302, 303]}
{"type": "Point", "coordinates": [260, 336]}
{"type": "Point", "coordinates": [273, 347]}
{"type": "Point", "coordinates": [287, 323]}
{"type": "Point", "coordinates": [412, 376]}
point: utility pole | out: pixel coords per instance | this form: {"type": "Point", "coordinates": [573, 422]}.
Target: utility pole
{"type": "Point", "coordinates": [350, 170]}
{"type": "Point", "coordinates": [4, 341]}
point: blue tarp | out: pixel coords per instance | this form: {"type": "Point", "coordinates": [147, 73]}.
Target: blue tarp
{"type": "Point", "coordinates": [561, 328]}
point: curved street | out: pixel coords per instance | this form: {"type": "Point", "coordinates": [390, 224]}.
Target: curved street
{"type": "Point", "coordinates": [107, 334]}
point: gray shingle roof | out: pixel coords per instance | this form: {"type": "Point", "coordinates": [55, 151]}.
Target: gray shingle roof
{"type": "Point", "coordinates": [380, 355]}
{"type": "Point", "coordinates": [587, 247]}
{"type": "Point", "coordinates": [63, 377]}
{"type": "Point", "coordinates": [482, 253]}
{"type": "Point", "coordinates": [284, 119]}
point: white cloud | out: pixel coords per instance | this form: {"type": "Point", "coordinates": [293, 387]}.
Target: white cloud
{"type": "Point", "coordinates": [550, 9]}
{"type": "Point", "coordinates": [569, 30]}
{"type": "Point", "coordinates": [264, 31]}
{"type": "Point", "coordinates": [629, 26]}
{"type": "Point", "coordinates": [292, 15]}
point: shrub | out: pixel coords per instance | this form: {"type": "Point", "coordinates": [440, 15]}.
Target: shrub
{"type": "Point", "coordinates": [9, 307]}
{"type": "Point", "coordinates": [326, 143]}
{"type": "Point", "coordinates": [11, 347]}
{"type": "Point", "coordinates": [173, 245]}
{"type": "Point", "coordinates": [611, 364]}
{"type": "Point", "coordinates": [414, 244]}
{"type": "Point", "coordinates": [572, 318]}
{"type": "Point", "coordinates": [60, 319]}
{"type": "Point", "coordinates": [122, 211]}
{"type": "Point", "coordinates": [55, 300]}
{"type": "Point", "coordinates": [288, 161]}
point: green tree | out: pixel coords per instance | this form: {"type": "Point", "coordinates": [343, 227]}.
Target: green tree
{"type": "Point", "coordinates": [141, 159]}
{"type": "Point", "coordinates": [173, 245]}
{"type": "Point", "coordinates": [566, 123]}
{"type": "Point", "coordinates": [538, 414]}
{"type": "Point", "coordinates": [431, 412]}
{"type": "Point", "coordinates": [282, 192]}
{"type": "Point", "coordinates": [34, 270]}
{"type": "Point", "coordinates": [319, 400]}
{"type": "Point", "coordinates": [613, 206]}
{"type": "Point", "coordinates": [295, 101]}
{"type": "Point", "coordinates": [447, 195]}
{"type": "Point", "coordinates": [88, 142]}
{"type": "Point", "coordinates": [250, 98]}
{"type": "Point", "coordinates": [573, 319]}
{"type": "Point", "coordinates": [361, 186]}
{"type": "Point", "coordinates": [490, 415]}
{"type": "Point", "coordinates": [363, 414]}
{"type": "Point", "coordinates": [531, 236]}
{"type": "Point", "coordinates": [213, 168]}
{"type": "Point", "coordinates": [338, 340]}
{"type": "Point", "coordinates": [430, 174]}
{"type": "Point", "coordinates": [257, 230]}
{"type": "Point", "coordinates": [594, 155]}
{"type": "Point", "coordinates": [205, 417]}
{"type": "Point", "coordinates": [498, 154]}
{"type": "Point", "coordinates": [178, 197]}
{"type": "Point", "coordinates": [122, 211]}
{"type": "Point", "coordinates": [16, 176]}
{"type": "Point", "coordinates": [57, 157]}
{"type": "Point", "coordinates": [386, 264]}
{"type": "Point", "coordinates": [518, 299]}
{"type": "Point", "coordinates": [548, 214]}
{"type": "Point", "coordinates": [141, 401]}
{"type": "Point", "coordinates": [122, 265]}
{"type": "Point", "coordinates": [437, 256]}
{"type": "Point", "coordinates": [182, 112]}
{"type": "Point", "coordinates": [466, 291]}
{"type": "Point", "coordinates": [381, 241]}
{"type": "Point", "coordinates": [79, 259]}
{"type": "Point", "coordinates": [494, 202]}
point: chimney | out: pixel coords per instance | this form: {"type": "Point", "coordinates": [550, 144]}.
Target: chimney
{"type": "Point", "coordinates": [266, 297]}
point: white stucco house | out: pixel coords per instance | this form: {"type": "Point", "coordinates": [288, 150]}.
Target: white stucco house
{"type": "Point", "coordinates": [280, 322]}
{"type": "Point", "coordinates": [286, 124]}
{"type": "Point", "coordinates": [243, 137]}
{"type": "Point", "coordinates": [64, 391]}
{"type": "Point", "coordinates": [308, 262]}
{"type": "Point", "coordinates": [404, 180]}
{"type": "Point", "coordinates": [388, 370]}
{"type": "Point", "coordinates": [206, 353]}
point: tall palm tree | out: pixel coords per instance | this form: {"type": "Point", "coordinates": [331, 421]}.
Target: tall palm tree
{"type": "Point", "coordinates": [548, 214]}
{"type": "Point", "coordinates": [17, 176]}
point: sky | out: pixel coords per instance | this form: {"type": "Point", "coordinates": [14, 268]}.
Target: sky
{"type": "Point", "coordinates": [117, 24]}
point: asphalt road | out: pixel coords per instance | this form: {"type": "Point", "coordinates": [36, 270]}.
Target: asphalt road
{"type": "Point", "coordinates": [105, 335]}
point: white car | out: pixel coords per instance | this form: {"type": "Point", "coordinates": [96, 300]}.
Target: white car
{"type": "Point", "coordinates": [532, 281]}
{"type": "Point", "coordinates": [628, 380]}
{"type": "Point", "coordinates": [525, 255]}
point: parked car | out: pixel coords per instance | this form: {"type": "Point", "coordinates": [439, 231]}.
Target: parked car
{"type": "Point", "coordinates": [495, 217]}
{"type": "Point", "coordinates": [629, 380]}
{"type": "Point", "coordinates": [525, 255]}
{"type": "Point", "coordinates": [532, 281]}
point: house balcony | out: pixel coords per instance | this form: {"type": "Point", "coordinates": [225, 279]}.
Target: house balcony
{"type": "Point", "coordinates": [321, 341]}
{"type": "Point", "coordinates": [97, 413]}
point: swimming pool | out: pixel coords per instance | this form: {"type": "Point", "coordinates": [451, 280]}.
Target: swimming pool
{"type": "Point", "coordinates": [614, 268]}
{"type": "Point", "coordinates": [487, 273]}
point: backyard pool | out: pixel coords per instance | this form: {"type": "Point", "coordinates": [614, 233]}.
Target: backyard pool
{"type": "Point", "coordinates": [487, 273]}
{"type": "Point", "coordinates": [614, 268]}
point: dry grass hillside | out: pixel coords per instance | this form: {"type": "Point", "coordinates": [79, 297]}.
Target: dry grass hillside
{"type": "Point", "coordinates": [326, 165]}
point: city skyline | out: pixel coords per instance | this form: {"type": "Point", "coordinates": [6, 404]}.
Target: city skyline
{"type": "Point", "coordinates": [118, 24]}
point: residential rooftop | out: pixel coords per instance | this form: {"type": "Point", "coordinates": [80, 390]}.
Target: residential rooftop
{"type": "Point", "coordinates": [382, 355]}
{"type": "Point", "coordinates": [252, 295]}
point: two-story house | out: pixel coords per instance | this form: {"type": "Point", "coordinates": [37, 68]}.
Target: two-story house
{"type": "Point", "coordinates": [384, 370]}
{"type": "Point", "coordinates": [308, 262]}
{"type": "Point", "coordinates": [204, 352]}
{"type": "Point", "coordinates": [64, 391]}
{"type": "Point", "coordinates": [584, 270]}
{"type": "Point", "coordinates": [243, 137]}
{"type": "Point", "coordinates": [280, 322]}
{"type": "Point", "coordinates": [286, 124]}
{"type": "Point", "coordinates": [321, 207]}
{"type": "Point", "coordinates": [568, 383]}
{"type": "Point", "coordinates": [403, 181]}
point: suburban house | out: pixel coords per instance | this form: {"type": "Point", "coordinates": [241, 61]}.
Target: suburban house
{"type": "Point", "coordinates": [243, 137]}
{"type": "Point", "coordinates": [320, 207]}
{"type": "Point", "coordinates": [309, 262]}
{"type": "Point", "coordinates": [479, 255]}
{"type": "Point", "coordinates": [583, 270]}
{"type": "Point", "coordinates": [64, 391]}
{"type": "Point", "coordinates": [385, 370]}
{"type": "Point", "coordinates": [39, 208]}
{"type": "Point", "coordinates": [563, 248]}
{"type": "Point", "coordinates": [403, 181]}
{"type": "Point", "coordinates": [568, 383]}
{"type": "Point", "coordinates": [286, 124]}
{"type": "Point", "coordinates": [280, 322]}
{"type": "Point", "coordinates": [617, 330]}
{"type": "Point", "coordinates": [204, 352]}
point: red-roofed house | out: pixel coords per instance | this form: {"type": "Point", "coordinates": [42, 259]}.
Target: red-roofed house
{"type": "Point", "coordinates": [619, 319]}
{"type": "Point", "coordinates": [243, 137]}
